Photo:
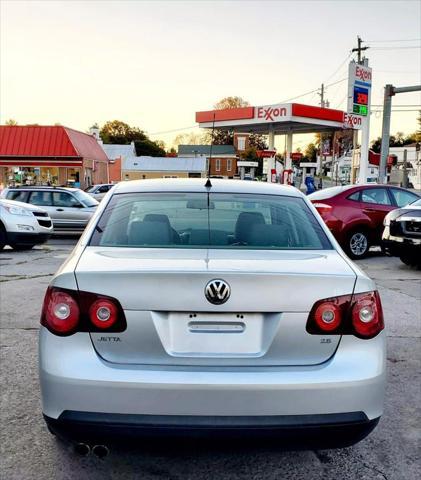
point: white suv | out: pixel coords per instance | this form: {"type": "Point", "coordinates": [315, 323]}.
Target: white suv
{"type": "Point", "coordinates": [22, 226]}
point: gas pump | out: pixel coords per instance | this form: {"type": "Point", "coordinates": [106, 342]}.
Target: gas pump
{"type": "Point", "coordinates": [287, 176]}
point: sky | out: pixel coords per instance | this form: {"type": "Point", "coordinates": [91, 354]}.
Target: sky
{"type": "Point", "coordinates": [153, 64]}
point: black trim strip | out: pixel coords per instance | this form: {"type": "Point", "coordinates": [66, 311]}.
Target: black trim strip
{"type": "Point", "coordinates": [214, 422]}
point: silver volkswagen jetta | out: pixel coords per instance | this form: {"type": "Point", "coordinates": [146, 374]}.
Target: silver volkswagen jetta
{"type": "Point", "coordinates": [226, 306]}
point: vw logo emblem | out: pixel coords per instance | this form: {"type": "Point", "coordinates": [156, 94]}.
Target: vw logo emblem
{"type": "Point", "coordinates": [217, 291]}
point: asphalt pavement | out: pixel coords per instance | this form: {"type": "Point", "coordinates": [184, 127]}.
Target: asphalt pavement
{"type": "Point", "coordinates": [28, 451]}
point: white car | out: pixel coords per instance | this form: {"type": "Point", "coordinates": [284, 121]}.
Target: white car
{"type": "Point", "coordinates": [99, 191]}
{"type": "Point", "coordinates": [22, 226]}
{"type": "Point", "coordinates": [224, 305]}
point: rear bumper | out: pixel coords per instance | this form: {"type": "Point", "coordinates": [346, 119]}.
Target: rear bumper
{"type": "Point", "coordinates": [74, 378]}
{"type": "Point", "coordinates": [322, 430]}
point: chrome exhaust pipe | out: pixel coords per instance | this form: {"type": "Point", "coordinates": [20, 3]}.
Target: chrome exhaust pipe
{"type": "Point", "coordinates": [82, 449]}
{"type": "Point", "coordinates": [100, 451]}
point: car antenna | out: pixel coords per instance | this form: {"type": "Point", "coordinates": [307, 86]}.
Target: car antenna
{"type": "Point", "coordinates": [208, 183]}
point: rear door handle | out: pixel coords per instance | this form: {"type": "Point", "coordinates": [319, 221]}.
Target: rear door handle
{"type": "Point", "coordinates": [59, 210]}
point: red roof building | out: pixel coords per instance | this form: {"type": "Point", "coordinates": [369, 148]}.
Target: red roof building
{"type": "Point", "coordinates": [50, 155]}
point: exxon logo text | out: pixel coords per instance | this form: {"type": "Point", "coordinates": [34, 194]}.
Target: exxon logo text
{"type": "Point", "coordinates": [352, 121]}
{"type": "Point", "coordinates": [270, 113]}
{"type": "Point", "coordinates": [363, 74]}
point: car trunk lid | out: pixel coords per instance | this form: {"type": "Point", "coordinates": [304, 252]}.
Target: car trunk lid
{"type": "Point", "coordinates": [170, 322]}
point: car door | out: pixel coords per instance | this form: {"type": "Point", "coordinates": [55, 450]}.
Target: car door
{"type": "Point", "coordinates": [376, 203]}
{"type": "Point", "coordinates": [70, 212]}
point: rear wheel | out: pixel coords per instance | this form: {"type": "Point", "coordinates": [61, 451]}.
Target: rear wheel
{"type": "Point", "coordinates": [21, 247]}
{"type": "Point", "coordinates": [357, 244]}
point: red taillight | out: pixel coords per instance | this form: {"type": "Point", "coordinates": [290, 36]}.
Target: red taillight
{"type": "Point", "coordinates": [367, 314]}
{"type": "Point", "coordinates": [360, 315]}
{"type": "Point", "coordinates": [322, 208]}
{"type": "Point", "coordinates": [103, 314]}
{"type": "Point", "coordinates": [69, 311]}
{"type": "Point", "coordinates": [327, 316]}
{"type": "Point", "coordinates": [60, 312]}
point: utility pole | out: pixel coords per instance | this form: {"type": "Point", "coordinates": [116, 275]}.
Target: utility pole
{"type": "Point", "coordinates": [365, 134]}
{"type": "Point", "coordinates": [359, 49]}
{"type": "Point", "coordinates": [322, 104]}
{"type": "Point", "coordinates": [389, 92]}
{"type": "Point", "coordinates": [405, 171]}
{"type": "Point", "coordinates": [322, 95]}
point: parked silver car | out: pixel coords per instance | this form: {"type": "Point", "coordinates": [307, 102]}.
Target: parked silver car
{"type": "Point", "coordinates": [228, 307]}
{"type": "Point", "coordinates": [70, 209]}
{"type": "Point", "coordinates": [22, 226]}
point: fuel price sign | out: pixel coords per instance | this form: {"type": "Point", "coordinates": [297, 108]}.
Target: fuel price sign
{"type": "Point", "coordinates": [359, 89]}
{"type": "Point", "coordinates": [360, 101]}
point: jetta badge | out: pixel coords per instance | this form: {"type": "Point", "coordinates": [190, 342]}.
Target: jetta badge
{"type": "Point", "coordinates": [217, 291]}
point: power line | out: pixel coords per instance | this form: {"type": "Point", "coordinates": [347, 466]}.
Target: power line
{"type": "Point", "coordinates": [395, 41]}
{"type": "Point", "coordinates": [393, 110]}
{"type": "Point", "coordinates": [404, 105]}
{"type": "Point", "coordinates": [395, 48]}
{"type": "Point", "coordinates": [340, 66]}
{"type": "Point", "coordinates": [313, 91]}
{"type": "Point", "coordinates": [299, 96]}
{"type": "Point", "coordinates": [174, 130]}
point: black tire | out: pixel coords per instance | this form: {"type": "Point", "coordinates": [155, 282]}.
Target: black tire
{"type": "Point", "coordinates": [357, 244]}
{"type": "Point", "coordinates": [409, 260]}
{"type": "Point", "coordinates": [22, 247]}
{"type": "Point", "coordinates": [3, 236]}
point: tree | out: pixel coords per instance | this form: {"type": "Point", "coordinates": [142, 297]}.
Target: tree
{"type": "Point", "coordinates": [231, 102]}
{"type": "Point", "coordinates": [311, 152]}
{"type": "Point", "coordinates": [148, 148]}
{"type": "Point", "coordinates": [258, 141]}
{"type": "Point", "coordinates": [192, 138]}
{"type": "Point", "coordinates": [11, 122]}
{"type": "Point", "coordinates": [397, 140]}
{"type": "Point", "coordinates": [226, 137]}
{"type": "Point", "coordinates": [116, 131]}
{"type": "Point", "coordinates": [250, 155]}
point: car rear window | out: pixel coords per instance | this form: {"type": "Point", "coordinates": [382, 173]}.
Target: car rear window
{"type": "Point", "coordinates": [325, 193]}
{"type": "Point", "coordinates": [215, 220]}
{"type": "Point", "coordinates": [18, 196]}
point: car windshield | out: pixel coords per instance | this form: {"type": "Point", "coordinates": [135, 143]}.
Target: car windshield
{"type": "Point", "coordinates": [89, 189]}
{"type": "Point", "coordinates": [216, 220]}
{"type": "Point", "coordinates": [85, 199]}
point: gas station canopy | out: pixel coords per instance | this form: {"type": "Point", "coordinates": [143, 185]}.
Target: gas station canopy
{"type": "Point", "coordinates": [278, 118]}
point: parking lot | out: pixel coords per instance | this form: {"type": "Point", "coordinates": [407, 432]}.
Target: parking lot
{"type": "Point", "coordinates": [29, 451]}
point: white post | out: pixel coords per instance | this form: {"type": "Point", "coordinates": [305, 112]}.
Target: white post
{"type": "Point", "coordinates": [365, 144]}
{"type": "Point", "coordinates": [271, 145]}
{"type": "Point", "coordinates": [303, 185]}
{"type": "Point", "coordinates": [288, 160]}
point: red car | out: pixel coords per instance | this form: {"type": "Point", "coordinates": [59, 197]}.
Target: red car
{"type": "Point", "coordinates": [355, 213]}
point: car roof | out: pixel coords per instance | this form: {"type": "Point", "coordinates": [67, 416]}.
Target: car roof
{"type": "Point", "coordinates": [42, 187]}
{"type": "Point", "coordinates": [198, 185]}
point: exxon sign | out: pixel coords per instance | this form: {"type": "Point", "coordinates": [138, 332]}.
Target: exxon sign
{"type": "Point", "coordinates": [271, 113]}
{"type": "Point", "coordinates": [353, 121]}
